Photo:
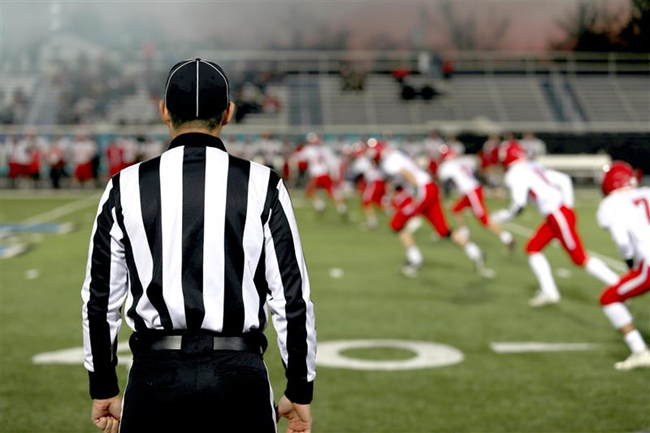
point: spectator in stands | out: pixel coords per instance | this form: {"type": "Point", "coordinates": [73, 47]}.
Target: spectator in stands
{"type": "Point", "coordinates": [447, 69]}
{"type": "Point", "coordinates": [352, 79]}
{"type": "Point", "coordinates": [400, 73]}
{"type": "Point", "coordinates": [247, 100]}
{"type": "Point", "coordinates": [533, 146]}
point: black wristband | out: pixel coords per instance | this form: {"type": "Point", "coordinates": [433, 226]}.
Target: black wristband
{"type": "Point", "coordinates": [630, 263]}
{"type": "Point", "coordinates": [299, 391]}
{"type": "Point", "coordinates": [103, 385]}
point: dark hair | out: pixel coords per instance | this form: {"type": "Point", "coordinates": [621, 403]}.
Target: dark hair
{"type": "Point", "coordinates": [211, 123]}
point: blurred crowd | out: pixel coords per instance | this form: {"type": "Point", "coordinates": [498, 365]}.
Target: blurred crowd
{"type": "Point", "coordinates": [86, 91]}
{"type": "Point", "coordinates": [100, 92]}
{"type": "Point", "coordinates": [85, 161]}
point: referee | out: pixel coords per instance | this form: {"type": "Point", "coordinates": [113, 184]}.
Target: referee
{"type": "Point", "coordinates": [197, 242]}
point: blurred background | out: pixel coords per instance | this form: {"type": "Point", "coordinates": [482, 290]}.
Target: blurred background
{"type": "Point", "coordinates": [79, 91]}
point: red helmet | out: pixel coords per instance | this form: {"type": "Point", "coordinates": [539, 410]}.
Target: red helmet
{"type": "Point", "coordinates": [446, 152]}
{"type": "Point", "coordinates": [375, 149]}
{"type": "Point", "coordinates": [511, 152]}
{"type": "Point", "coordinates": [617, 175]}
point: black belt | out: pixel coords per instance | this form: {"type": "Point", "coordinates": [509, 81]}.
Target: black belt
{"type": "Point", "coordinates": [197, 342]}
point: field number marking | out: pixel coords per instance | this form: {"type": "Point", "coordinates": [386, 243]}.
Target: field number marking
{"type": "Point", "coordinates": [427, 355]}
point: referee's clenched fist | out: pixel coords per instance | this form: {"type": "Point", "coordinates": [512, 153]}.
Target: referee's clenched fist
{"type": "Point", "coordinates": [194, 245]}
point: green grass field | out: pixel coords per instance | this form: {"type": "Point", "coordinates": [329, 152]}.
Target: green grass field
{"type": "Point", "coordinates": [447, 303]}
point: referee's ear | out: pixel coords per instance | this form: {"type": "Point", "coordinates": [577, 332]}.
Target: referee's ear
{"type": "Point", "coordinates": [164, 113]}
{"type": "Point", "coordinates": [230, 111]}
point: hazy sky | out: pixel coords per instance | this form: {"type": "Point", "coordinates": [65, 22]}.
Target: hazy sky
{"type": "Point", "coordinates": [255, 24]}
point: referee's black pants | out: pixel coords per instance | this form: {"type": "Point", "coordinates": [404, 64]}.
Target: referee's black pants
{"type": "Point", "coordinates": [216, 391]}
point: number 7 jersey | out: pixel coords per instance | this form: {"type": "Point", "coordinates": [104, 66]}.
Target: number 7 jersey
{"type": "Point", "coordinates": [626, 215]}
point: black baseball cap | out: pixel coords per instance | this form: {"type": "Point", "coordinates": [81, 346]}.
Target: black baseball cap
{"type": "Point", "coordinates": [197, 89]}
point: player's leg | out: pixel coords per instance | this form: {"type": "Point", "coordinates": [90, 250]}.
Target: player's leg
{"type": "Point", "coordinates": [564, 224]}
{"type": "Point", "coordinates": [548, 293]}
{"type": "Point", "coordinates": [334, 194]}
{"type": "Point", "coordinates": [634, 283]}
{"type": "Point", "coordinates": [457, 214]}
{"type": "Point", "coordinates": [310, 193]}
{"type": "Point", "coordinates": [414, 257]}
{"type": "Point", "coordinates": [481, 213]}
{"type": "Point", "coordinates": [367, 205]}
{"type": "Point", "coordinates": [432, 210]}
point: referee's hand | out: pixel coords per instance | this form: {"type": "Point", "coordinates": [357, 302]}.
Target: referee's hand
{"type": "Point", "coordinates": [106, 414]}
{"type": "Point", "coordinates": [299, 415]}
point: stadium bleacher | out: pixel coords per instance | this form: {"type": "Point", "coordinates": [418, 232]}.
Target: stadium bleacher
{"type": "Point", "coordinates": [513, 91]}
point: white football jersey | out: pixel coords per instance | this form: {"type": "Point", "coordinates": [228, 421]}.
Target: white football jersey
{"type": "Point", "coordinates": [432, 146]}
{"type": "Point", "coordinates": [394, 162]}
{"type": "Point", "coordinates": [457, 147]}
{"type": "Point", "coordinates": [563, 182]}
{"type": "Point", "coordinates": [461, 173]}
{"type": "Point", "coordinates": [19, 152]}
{"type": "Point", "coordinates": [364, 166]}
{"type": "Point", "coordinates": [528, 179]}
{"type": "Point", "coordinates": [320, 158]}
{"type": "Point", "coordinates": [626, 215]}
{"type": "Point", "coordinates": [83, 151]}
{"type": "Point", "coordinates": [131, 149]}
{"type": "Point", "coordinates": [152, 149]}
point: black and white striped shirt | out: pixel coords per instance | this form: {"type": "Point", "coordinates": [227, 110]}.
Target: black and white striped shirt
{"type": "Point", "coordinates": [197, 239]}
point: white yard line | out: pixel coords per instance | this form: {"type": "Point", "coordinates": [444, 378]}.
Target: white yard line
{"type": "Point", "coordinates": [536, 347]}
{"type": "Point", "coordinates": [62, 210]}
{"type": "Point", "coordinates": [526, 232]}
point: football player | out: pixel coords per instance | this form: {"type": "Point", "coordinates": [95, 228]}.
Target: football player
{"type": "Point", "coordinates": [426, 202]}
{"type": "Point", "coordinates": [372, 182]}
{"type": "Point", "coordinates": [527, 179]}
{"type": "Point", "coordinates": [625, 213]}
{"type": "Point", "coordinates": [461, 174]}
{"type": "Point", "coordinates": [322, 164]}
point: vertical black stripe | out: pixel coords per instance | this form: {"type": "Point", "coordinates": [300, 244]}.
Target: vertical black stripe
{"type": "Point", "coordinates": [150, 204]}
{"type": "Point", "coordinates": [193, 216]}
{"type": "Point", "coordinates": [271, 195]}
{"type": "Point", "coordinates": [136, 285]}
{"type": "Point", "coordinates": [262, 287]}
{"type": "Point", "coordinates": [236, 208]}
{"type": "Point", "coordinates": [295, 307]}
{"type": "Point", "coordinates": [259, 279]}
{"type": "Point", "coordinates": [100, 288]}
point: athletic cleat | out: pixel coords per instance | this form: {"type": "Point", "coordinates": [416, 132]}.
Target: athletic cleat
{"type": "Point", "coordinates": [542, 300]}
{"type": "Point", "coordinates": [635, 360]}
{"type": "Point", "coordinates": [410, 270]}
{"type": "Point", "coordinates": [479, 266]}
{"type": "Point", "coordinates": [488, 273]}
{"type": "Point", "coordinates": [512, 246]}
